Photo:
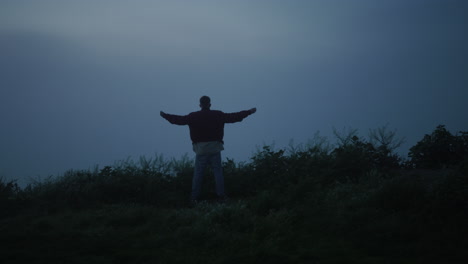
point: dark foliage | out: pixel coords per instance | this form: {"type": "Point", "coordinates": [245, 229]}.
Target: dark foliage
{"type": "Point", "coordinates": [440, 149]}
{"type": "Point", "coordinates": [349, 204]}
{"type": "Point", "coordinates": [9, 194]}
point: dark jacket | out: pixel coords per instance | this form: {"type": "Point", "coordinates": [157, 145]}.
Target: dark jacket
{"type": "Point", "coordinates": [206, 125]}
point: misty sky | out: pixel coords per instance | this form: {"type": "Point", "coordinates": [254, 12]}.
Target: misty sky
{"type": "Point", "coordinates": [82, 82]}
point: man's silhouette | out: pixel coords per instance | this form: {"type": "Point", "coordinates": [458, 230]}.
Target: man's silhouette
{"type": "Point", "coordinates": [207, 132]}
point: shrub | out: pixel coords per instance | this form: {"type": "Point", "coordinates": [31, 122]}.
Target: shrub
{"type": "Point", "coordinates": [311, 204]}
{"type": "Point", "coordinates": [8, 189]}
{"type": "Point", "coordinates": [147, 182]}
{"type": "Point", "coordinates": [9, 201]}
{"type": "Point", "coordinates": [355, 156]}
{"type": "Point", "coordinates": [440, 149]}
{"type": "Point", "coordinates": [353, 159]}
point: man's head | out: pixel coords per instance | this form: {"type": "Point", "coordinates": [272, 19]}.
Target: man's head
{"type": "Point", "coordinates": [205, 102]}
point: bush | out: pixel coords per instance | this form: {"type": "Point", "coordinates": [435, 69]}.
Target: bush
{"type": "Point", "coordinates": [347, 204]}
{"type": "Point", "coordinates": [440, 149]}
{"type": "Point", "coordinates": [151, 181]}
{"type": "Point", "coordinates": [8, 189]}
{"type": "Point", "coordinates": [9, 201]}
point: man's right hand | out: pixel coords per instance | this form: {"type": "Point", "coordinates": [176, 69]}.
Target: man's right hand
{"type": "Point", "coordinates": [253, 110]}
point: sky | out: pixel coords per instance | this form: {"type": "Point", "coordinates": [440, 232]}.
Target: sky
{"type": "Point", "coordinates": [82, 82]}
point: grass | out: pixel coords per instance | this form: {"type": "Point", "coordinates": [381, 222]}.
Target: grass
{"type": "Point", "coordinates": [301, 206]}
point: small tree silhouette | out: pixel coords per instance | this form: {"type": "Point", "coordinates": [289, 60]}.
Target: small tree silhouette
{"type": "Point", "coordinates": [382, 138]}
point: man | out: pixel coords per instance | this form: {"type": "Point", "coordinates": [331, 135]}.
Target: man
{"type": "Point", "coordinates": [207, 132]}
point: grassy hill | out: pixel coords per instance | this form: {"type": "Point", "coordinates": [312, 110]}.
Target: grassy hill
{"type": "Point", "coordinates": [315, 204]}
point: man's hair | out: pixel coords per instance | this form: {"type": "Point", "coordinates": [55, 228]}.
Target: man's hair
{"type": "Point", "coordinates": [205, 101]}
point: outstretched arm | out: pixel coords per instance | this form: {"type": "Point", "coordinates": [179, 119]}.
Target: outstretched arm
{"type": "Point", "coordinates": [175, 119]}
{"type": "Point", "coordinates": [239, 116]}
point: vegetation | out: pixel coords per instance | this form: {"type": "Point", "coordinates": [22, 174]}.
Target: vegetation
{"type": "Point", "coordinates": [356, 202]}
{"type": "Point", "coordinates": [440, 149]}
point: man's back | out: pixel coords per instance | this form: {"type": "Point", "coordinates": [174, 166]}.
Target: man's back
{"type": "Point", "coordinates": [206, 125]}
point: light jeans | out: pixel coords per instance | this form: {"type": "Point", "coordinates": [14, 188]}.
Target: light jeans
{"type": "Point", "coordinates": [201, 161]}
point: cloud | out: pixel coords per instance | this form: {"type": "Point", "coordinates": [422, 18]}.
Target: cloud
{"type": "Point", "coordinates": [182, 30]}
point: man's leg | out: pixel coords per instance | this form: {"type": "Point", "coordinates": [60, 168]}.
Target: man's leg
{"type": "Point", "coordinates": [215, 160]}
{"type": "Point", "coordinates": [200, 163]}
